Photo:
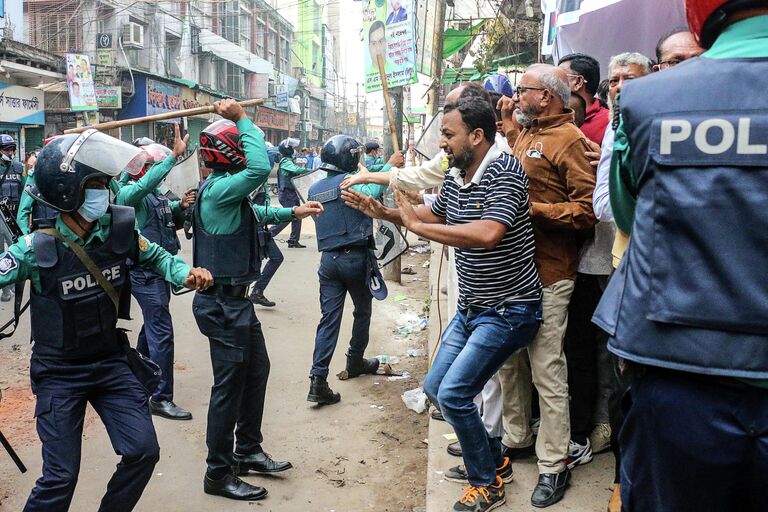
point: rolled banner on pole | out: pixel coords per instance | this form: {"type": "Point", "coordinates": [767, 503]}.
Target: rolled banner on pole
{"type": "Point", "coordinates": [159, 117]}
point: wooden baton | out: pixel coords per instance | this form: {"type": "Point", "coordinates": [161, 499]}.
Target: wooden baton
{"type": "Point", "coordinates": [159, 117]}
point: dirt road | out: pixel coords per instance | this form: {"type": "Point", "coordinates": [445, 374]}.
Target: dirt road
{"type": "Point", "coordinates": [366, 453]}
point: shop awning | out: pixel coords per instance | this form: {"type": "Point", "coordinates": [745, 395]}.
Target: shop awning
{"type": "Point", "coordinates": [229, 51]}
{"type": "Point", "coordinates": [456, 75]}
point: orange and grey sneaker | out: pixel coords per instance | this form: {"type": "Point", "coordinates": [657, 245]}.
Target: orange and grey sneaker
{"type": "Point", "coordinates": [481, 499]}
{"type": "Point", "coordinates": [459, 473]}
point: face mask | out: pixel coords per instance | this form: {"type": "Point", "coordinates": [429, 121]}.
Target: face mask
{"type": "Point", "coordinates": [6, 158]}
{"type": "Point", "coordinates": [95, 204]}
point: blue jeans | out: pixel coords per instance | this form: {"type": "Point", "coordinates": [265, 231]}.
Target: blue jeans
{"type": "Point", "coordinates": [342, 272]}
{"type": "Point", "coordinates": [153, 293]}
{"type": "Point", "coordinates": [275, 257]}
{"type": "Point", "coordinates": [288, 199]}
{"type": "Point", "coordinates": [473, 347]}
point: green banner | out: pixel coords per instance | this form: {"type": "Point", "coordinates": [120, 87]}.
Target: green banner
{"type": "Point", "coordinates": [454, 39]}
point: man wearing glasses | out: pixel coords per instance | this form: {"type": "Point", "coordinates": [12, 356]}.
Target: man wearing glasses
{"type": "Point", "coordinates": [560, 183]}
{"type": "Point", "coordinates": [583, 78]}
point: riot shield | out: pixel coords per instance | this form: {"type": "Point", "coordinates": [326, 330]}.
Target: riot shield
{"type": "Point", "coordinates": [184, 176]}
{"type": "Point", "coordinates": [390, 242]}
{"type": "Point", "coordinates": [428, 144]}
{"type": "Point", "coordinates": [304, 181]}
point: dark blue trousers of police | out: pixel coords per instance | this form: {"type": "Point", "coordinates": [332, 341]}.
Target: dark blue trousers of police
{"type": "Point", "coordinates": [240, 371]}
{"type": "Point", "coordinates": [694, 443]}
{"type": "Point", "coordinates": [288, 199]}
{"type": "Point", "coordinates": [63, 388]}
{"type": "Point", "coordinates": [275, 259]}
{"type": "Point", "coordinates": [153, 293]}
{"type": "Point", "coordinates": [342, 271]}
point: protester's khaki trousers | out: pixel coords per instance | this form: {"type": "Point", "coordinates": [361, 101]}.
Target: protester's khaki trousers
{"type": "Point", "coordinates": [545, 362]}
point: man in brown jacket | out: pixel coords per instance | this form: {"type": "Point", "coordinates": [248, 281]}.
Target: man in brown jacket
{"type": "Point", "coordinates": [561, 181]}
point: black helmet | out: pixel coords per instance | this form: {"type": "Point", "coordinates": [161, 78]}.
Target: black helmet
{"type": "Point", "coordinates": [341, 153]}
{"type": "Point", "coordinates": [67, 162]}
{"type": "Point", "coordinates": [7, 141]}
{"type": "Point", "coordinates": [286, 147]}
{"type": "Point", "coordinates": [371, 145]}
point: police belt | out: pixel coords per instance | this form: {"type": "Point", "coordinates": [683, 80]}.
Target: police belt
{"type": "Point", "coordinates": [234, 291]}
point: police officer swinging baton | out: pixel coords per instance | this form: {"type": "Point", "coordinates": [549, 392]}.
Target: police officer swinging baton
{"type": "Point", "coordinates": [159, 117]}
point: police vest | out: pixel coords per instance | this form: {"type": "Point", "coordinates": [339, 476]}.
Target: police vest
{"type": "Point", "coordinates": [284, 178]}
{"type": "Point", "coordinates": [339, 225]}
{"type": "Point", "coordinates": [235, 256]}
{"type": "Point", "coordinates": [159, 226]}
{"type": "Point", "coordinates": [11, 185]}
{"type": "Point", "coordinates": [691, 292]}
{"type": "Point", "coordinates": [72, 315]}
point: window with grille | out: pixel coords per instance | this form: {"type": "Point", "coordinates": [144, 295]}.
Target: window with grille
{"type": "Point", "coordinates": [229, 13]}
{"type": "Point", "coordinates": [56, 27]}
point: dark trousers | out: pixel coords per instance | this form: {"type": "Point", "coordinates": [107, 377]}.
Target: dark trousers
{"type": "Point", "coordinates": [153, 293]}
{"type": "Point", "coordinates": [240, 371]}
{"type": "Point", "coordinates": [694, 443]}
{"type": "Point", "coordinates": [341, 272]}
{"type": "Point", "coordinates": [473, 347]}
{"type": "Point", "coordinates": [63, 388]}
{"type": "Point", "coordinates": [288, 199]}
{"type": "Point", "coordinates": [273, 263]}
{"type": "Point", "coordinates": [581, 344]}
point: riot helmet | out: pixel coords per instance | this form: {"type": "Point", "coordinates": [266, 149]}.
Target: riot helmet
{"type": "Point", "coordinates": [287, 146]}
{"type": "Point", "coordinates": [67, 162]}
{"type": "Point", "coordinates": [498, 83]}
{"type": "Point", "coordinates": [341, 153]}
{"type": "Point", "coordinates": [143, 141]}
{"type": "Point", "coordinates": [7, 147]}
{"type": "Point", "coordinates": [155, 153]}
{"type": "Point", "coordinates": [220, 146]}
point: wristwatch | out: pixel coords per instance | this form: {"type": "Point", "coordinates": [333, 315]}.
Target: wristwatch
{"type": "Point", "coordinates": [293, 212]}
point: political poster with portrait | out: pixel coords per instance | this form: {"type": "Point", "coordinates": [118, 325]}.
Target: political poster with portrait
{"type": "Point", "coordinates": [82, 91]}
{"type": "Point", "coordinates": [388, 30]}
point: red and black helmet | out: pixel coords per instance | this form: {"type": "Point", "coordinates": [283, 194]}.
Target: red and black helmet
{"type": "Point", "coordinates": [707, 18]}
{"type": "Point", "coordinates": [220, 146]}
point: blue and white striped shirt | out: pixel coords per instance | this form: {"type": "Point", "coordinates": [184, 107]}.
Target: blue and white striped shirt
{"type": "Point", "coordinates": [497, 192]}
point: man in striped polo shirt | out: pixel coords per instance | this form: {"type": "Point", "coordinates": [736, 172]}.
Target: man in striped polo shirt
{"type": "Point", "coordinates": [482, 211]}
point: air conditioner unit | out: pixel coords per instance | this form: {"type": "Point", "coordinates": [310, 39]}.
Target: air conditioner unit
{"type": "Point", "coordinates": [133, 35]}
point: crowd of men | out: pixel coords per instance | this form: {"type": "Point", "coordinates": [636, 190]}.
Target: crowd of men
{"type": "Point", "coordinates": [602, 281]}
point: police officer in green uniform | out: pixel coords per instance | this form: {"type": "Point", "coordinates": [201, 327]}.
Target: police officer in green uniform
{"type": "Point", "coordinates": [11, 186]}
{"type": "Point", "coordinates": [266, 215]}
{"type": "Point", "coordinates": [225, 239]}
{"type": "Point", "coordinates": [158, 219]}
{"type": "Point", "coordinates": [78, 356]}
{"type": "Point", "coordinates": [33, 214]}
{"type": "Point", "coordinates": [287, 196]}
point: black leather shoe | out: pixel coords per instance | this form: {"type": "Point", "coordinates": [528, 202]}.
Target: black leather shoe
{"type": "Point", "coordinates": [520, 453]}
{"type": "Point", "coordinates": [296, 245]}
{"type": "Point", "coordinates": [454, 449]}
{"type": "Point", "coordinates": [437, 414]}
{"type": "Point", "coordinates": [550, 489]}
{"type": "Point", "coordinates": [357, 366]}
{"type": "Point", "coordinates": [259, 463]}
{"type": "Point", "coordinates": [320, 392]}
{"type": "Point", "coordinates": [168, 409]}
{"type": "Point", "coordinates": [233, 488]}
{"type": "Point", "coordinates": [257, 297]}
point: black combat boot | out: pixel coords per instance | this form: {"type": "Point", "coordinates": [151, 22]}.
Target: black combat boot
{"type": "Point", "coordinates": [320, 392]}
{"type": "Point", "coordinates": [257, 297]}
{"type": "Point", "coordinates": [360, 366]}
